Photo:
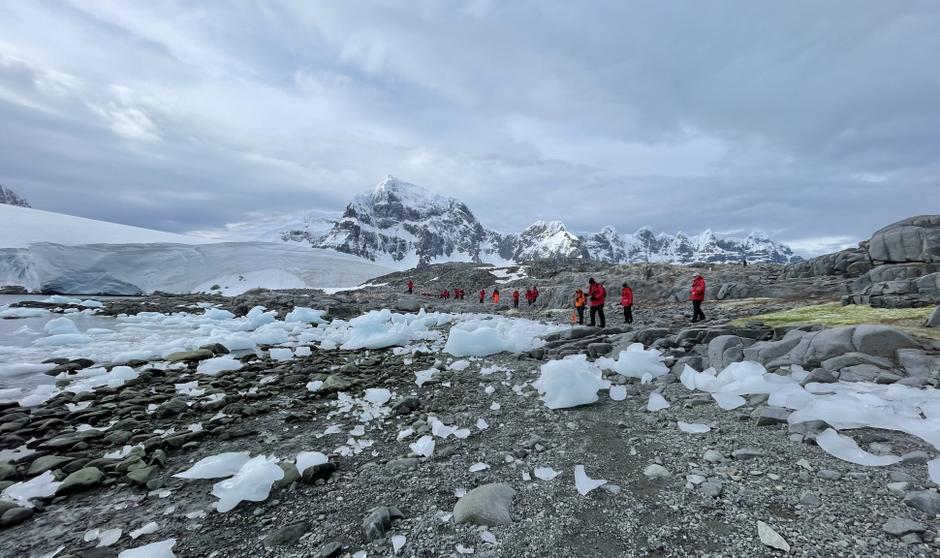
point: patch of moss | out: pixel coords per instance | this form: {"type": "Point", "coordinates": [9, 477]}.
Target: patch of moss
{"type": "Point", "coordinates": [835, 314]}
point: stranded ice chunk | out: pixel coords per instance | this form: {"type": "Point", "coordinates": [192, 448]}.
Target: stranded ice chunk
{"type": "Point", "coordinates": [583, 483]}
{"type": "Point", "coordinates": [160, 549]}
{"type": "Point", "coordinates": [307, 459]}
{"type": "Point", "coordinates": [545, 473]}
{"type": "Point", "coordinates": [424, 446]}
{"type": "Point", "coordinates": [569, 382]}
{"type": "Point", "coordinates": [693, 427]}
{"type": "Point", "coordinates": [656, 402]}
{"type": "Point", "coordinates": [252, 483]}
{"type": "Point", "coordinates": [37, 487]}
{"type": "Point", "coordinates": [213, 366]}
{"type": "Point", "coordinates": [846, 449]}
{"type": "Point", "coordinates": [618, 393]}
{"type": "Point", "coordinates": [305, 315]}
{"type": "Point", "coordinates": [216, 466]}
{"type": "Point", "coordinates": [636, 362]}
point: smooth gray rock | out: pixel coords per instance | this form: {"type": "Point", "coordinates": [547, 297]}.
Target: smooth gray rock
{"type": "Point", "coordinates": [933, 320]}
{"type": "Point", "coordinates": [879, 340]}
{"type": "Point", "coordinates": [725, 349]}
{"type": "Point", "coordinates": [289, 534]}
{"type": "Point", "coordinates": [748, 453]}
{"type": "Point", "coordinates": [83, 479]}
{"type": "Point", "coordinates": [918, 363]}
{"type": "Point", "coordinates": [47, 463]}
{"type": "Point", "coordinates": [488, 505]}
{"type": "Point", "coordinates": [15, 516]}
{"type": "Point", "coordinates": [819, 376]}
{"type": "Point", "coordinates": [379, 521]}
{"type": "Point", "coordinates": [915, 239]}
{"type": "Point", "coordinates": [656, 471]}
{"type": "Point", "coordinates": [189, 356]}
{"type": "Point", "coordinates": [853, 358]}
{"type": "Point", "coordinates": [772, 415]}
{"type": "Point", "coordinates": [408, 304]}
{"type": "Point", "coordinates": [899, 526]}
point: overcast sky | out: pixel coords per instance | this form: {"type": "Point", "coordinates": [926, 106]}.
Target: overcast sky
{"type": "Point", "coordinates": [816, 122]}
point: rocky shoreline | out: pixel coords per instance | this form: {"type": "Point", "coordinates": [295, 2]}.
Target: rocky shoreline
{"type": "Point", "coordinates": [668, 492]}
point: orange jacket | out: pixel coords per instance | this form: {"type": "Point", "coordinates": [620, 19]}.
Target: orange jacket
{"type": "Point", "coordinates": [496, 297]}
{"type": "Point", "coordinates": [579, 299]}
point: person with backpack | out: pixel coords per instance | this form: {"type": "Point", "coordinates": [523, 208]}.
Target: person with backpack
{"type": "Point", "coordinates": [515, 298]}
{"type": "Point", "coordinates": [579, 301]}
{"type": "Point", "coordinates": [697, 295]}
{"type": "Point", "coordinates": [596, 295]}
{"type": "Point", "coordinates": [626, 300]}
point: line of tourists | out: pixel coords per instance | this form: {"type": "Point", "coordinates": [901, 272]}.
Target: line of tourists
{"type": "Point", "coordinates": [595, 297]}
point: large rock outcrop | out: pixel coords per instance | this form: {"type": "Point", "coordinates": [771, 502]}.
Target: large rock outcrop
{"type": "Point", "coordinates": [916, 239]}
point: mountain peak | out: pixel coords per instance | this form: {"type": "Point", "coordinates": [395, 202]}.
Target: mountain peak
{"type": "Point", "coordinates": [9, 197]}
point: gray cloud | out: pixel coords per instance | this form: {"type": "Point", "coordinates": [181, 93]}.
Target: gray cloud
{"type": "Point", "coordinates": [816, 123]}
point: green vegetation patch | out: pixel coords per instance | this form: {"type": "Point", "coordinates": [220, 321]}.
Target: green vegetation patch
{"type": "Point", "coordinates": [835, 314]}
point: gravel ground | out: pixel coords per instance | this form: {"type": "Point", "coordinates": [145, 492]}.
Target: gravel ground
{"type": "Point", "coordinates": [708, 505]}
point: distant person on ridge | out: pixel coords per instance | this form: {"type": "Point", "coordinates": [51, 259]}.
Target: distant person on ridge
{"type": "Point", "coordinates": [697, 295]}
{"type": "Point", "coordinates": [456, 293]}
{"type": "Point", "coordinates": [411, 286]}
{"type": "Point", "coordinates": [596, 294]}
{"type": "Point", "coordinates": [515, 298]}
{"type": "Point", "coordinates": [579, 300]}
{"type": "Point", "coordinates": [626, 300]}
{"type": "Point", "coordinates": [482, 295]}
{"type": "Point", "coordinates": [495, 296]}
{"type": "Point", "coordinates": [528, 297]}
{"type": "Point", "coordinates": [535, 294]}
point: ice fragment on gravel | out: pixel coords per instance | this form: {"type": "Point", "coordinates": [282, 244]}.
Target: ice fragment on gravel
{"type": "Point", "coordinates": [108, 537]}
{"type": "Point", "coordinates": [160, 549]}
{"type": "Point", "coordinates": [476, 467]}
{"type": "Point", "coordinates": [307, 459]}
{"type": "Point", "coordinates": [216, 466]}
{"type": "Point", "coordinates": [314, 385]}
{"type": "Point", "coordinates": [424, 446]}
{"type": "Point", "coordinates": [693, 427]}
{"type": "Point", "coordinates": [728, 401]}
{"type": "Point", "coordinates": [377, 396]}
{"type": "Point", "coordinates": [424, 376]}
{"type": "Point", "coordinates": [461, 549]}
{"type": "Point", "coordinates": [933, 470]}
{"type": "Point", "coordinates": [656, 402]}
{"type": "Point", "coordinates": [618, 393]}
{"type": "Point", "coordinates": [252, 482]}
{"type": "Point", "coordinates": [405, 433]}
{"type": "Point", "coordinates": [459, 365]}
{"type": "Point", "coordinates": [37, 487]}
{"type": "Point", "coordinates": [583, 483]}
{"type": "Point", "coordinates": [482, 424]}
{"type": "Point", "coordinates": [846, 449]}
{"type": "Point", "coordinates": [359, 430]}
{"type": "Point", "coordinates": [489, 537]}
{"type": "Point", "coordinates": [545, 473]}
{"type": "Point", "coordinates": [147, 529]}
{"type": "Point", "coordinates": [305, 315]}
{"type": "Point", "coordinates": [770, 537]}
{"type": "Point", "coordinates": [494, 406]}
{"type": "Point", "coordinates": [214, 366]}
{"type": "Point", "coordinates": [569, 382]}
{"type": "Point", "coordinates": [281, 355]}
{"type": "Point", "coordinates": [636, 362]}
{"type": "Point", "coordinates": [398, 541]}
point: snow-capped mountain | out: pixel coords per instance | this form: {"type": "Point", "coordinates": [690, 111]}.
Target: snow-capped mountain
{"type": "Point", "coordinates": [9, 197]}
{"type": "Point", "coordinates": [403, 225]}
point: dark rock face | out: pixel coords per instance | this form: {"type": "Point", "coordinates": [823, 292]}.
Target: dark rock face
{"type": "Point", "coordinates": [916, 239]}
{"type": "Point", "coordinates": [9, 197]}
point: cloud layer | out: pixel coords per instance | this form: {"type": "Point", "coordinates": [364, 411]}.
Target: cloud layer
{"type": "Point", "coordinates": [815, 122]}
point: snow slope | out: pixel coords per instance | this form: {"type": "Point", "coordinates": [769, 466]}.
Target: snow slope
{"type": "Point", "coordinates": [179, 268]}
{"type": "Point", "coordinates": [22, 226]}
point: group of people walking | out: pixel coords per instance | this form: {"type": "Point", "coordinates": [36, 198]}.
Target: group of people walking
{"type": "Point", "coordinates": [593, 298]}
{"type": "Point", "coordinates": [596, 296]}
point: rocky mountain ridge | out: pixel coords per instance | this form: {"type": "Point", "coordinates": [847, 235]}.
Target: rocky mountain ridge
{"type": "Point", "coordinates": [405, 225]}
{"type": "Point", "coordinates": [9, 197]}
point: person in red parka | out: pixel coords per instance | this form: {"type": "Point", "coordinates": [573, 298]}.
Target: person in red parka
{"type": "Point", "coordinates": [596, 295]}
{"type": "Point", "coordinates": [697, 295]}
{"type": "Point", "coordinates": [515, 298]}
{"type": "Point", "coordinates": [535, 294]}
{"type": "Point", "coordinates": [528, 296]}
{"type": "Point", "coordinates": [411, 286]}
{"type": "Point", "coordinates": [626, 300]}
{"type": "Point", "coordinates": [482, 295]}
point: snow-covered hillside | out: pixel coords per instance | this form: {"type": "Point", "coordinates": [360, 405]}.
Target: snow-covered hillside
{"type": "Point", "coordinates": [22, 226]}
{"type": "Point", "coordinates": [179, 268]}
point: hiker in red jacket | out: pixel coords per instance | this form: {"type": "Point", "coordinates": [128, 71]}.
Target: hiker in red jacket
{"type": "Point", "coordinates": [596, 294]}
{"type": "Point", "coordinates": [495, 296]}
{"type": "Point", "coordinates": [411, 286]}
{"type": "Point", "coordinates": [697, 295]}
{"type": "Point", "coordinates": [515, 298]}
{"type": "Point", "coordinates": [528, 297]}
{"type": "Point", "coordinates": [482, 295]}
{"type": "Point", "coordinates": [535, 294]}
{"type": "Point", "coordinates": [626, 300]}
